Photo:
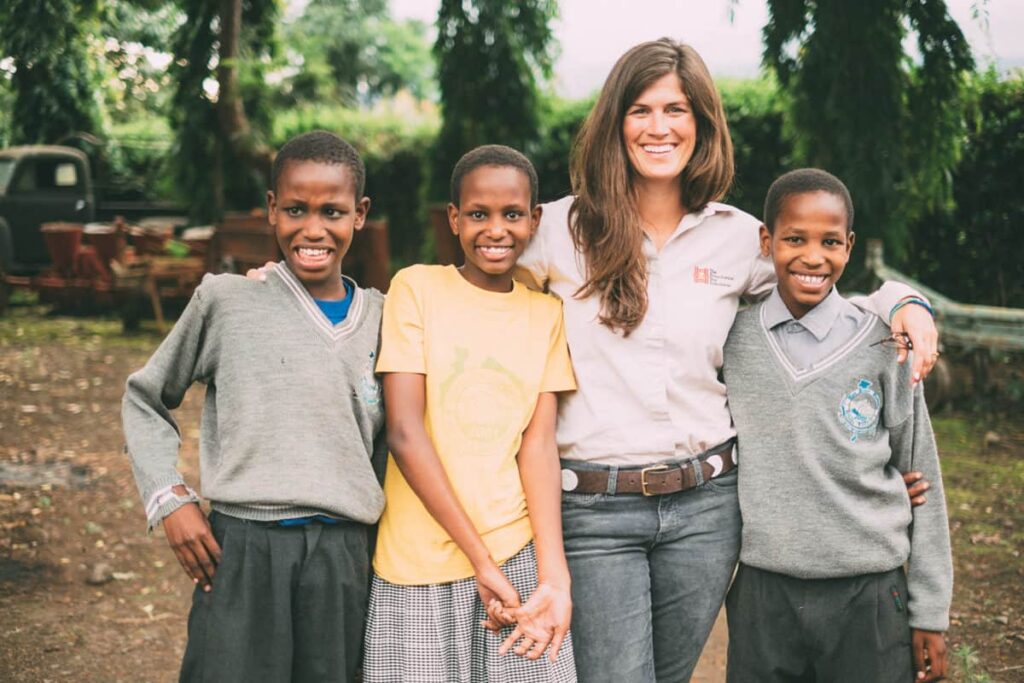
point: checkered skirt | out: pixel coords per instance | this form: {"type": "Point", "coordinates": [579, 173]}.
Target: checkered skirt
{"type": "Point", "coordinates": [432, 634]}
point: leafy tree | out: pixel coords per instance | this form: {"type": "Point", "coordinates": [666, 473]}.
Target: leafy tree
{"type": "Point", "coordinates": [220, 157]}
{"type": "Point", "coordinates": [54, 79]}
{"type": "Point", "coordinates": [490, 54]}
{"type": "Point", "coordinates": [887, 123]}
{"type": "Point", "coordinates": [351, 51]}
{"type": "Point", "coordinates": [133, 31]}
{"type": "Point", "coordinates": [6, 105]}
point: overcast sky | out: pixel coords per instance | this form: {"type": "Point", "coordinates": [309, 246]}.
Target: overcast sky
{"type": "Point", "coordinates": [593, 33]}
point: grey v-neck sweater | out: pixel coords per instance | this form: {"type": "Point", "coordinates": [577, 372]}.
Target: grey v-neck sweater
{"type": "Point", "coordinates": [292, 406]}
{"type": "Point", "coordinates": [821, 451]}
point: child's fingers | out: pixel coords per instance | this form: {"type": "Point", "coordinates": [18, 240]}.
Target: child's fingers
{"type": "Point", "coordinates": [497, 611]}
{"type": "Point", "coordinates": [507, 644]}
{"type": "Point", "coordinates": [937, 657]}
{"type": "Point", "coordinates": [490, 625]}
{"type": "Point", "coordinates": [537, 651]}
{"type": "Point", "coordinates": [187, 562]}
{"type": "Point", "coordinates": [556, 644]}
{"type": "Point", "coordinates": [920, 652]}
{"type": "Point", "coordinates": [212, 547]}
{"type": "Point", "coordinates": [524, 646]}
{"type": "Point", "coordinates": [207, 567]}
{"type": "Point", "coordinates": [916, 487]}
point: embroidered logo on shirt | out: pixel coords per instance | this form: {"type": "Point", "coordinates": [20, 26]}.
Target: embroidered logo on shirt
{"type": "Point", "coordinates": [859, 411]}
{"type": "Point", "coordinates": [706, 275]}
{"type": "Point", "coordinates": [368, 382]}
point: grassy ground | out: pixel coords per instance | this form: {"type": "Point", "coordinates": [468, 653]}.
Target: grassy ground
{"type": "Point", "coordinates": [983, 466]}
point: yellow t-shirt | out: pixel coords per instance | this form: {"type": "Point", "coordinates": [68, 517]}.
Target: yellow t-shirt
{"type": "Point", "coordinates": [486, 356]}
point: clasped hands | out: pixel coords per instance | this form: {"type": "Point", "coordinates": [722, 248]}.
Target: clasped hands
{"type": "Point", "coordinates": [541, 623]}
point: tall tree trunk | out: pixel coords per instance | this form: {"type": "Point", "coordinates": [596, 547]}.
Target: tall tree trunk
{"type": "Point", "coordinates": [234, 125]}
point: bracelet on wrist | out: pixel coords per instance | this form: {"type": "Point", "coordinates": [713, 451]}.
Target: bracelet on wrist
{"type": "Point", "coordinates": [912, 300]}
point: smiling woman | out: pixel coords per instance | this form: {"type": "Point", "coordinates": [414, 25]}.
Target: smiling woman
{"type": "Point", "coordinates": [660, 131]}
{"type": "Point", "coordinates": [651, 268]}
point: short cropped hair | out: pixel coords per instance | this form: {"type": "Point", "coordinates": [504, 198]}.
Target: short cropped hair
{"type": "Point", "coordinates": [803, 181]}
{"type": "Point", "coordinates": [324, 147]}
{"type": "Point", "coordinates": [492, 155]}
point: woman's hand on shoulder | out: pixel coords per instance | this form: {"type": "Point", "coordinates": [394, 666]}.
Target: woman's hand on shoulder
{"type": "Point", "coordinates": [917, 322]}
{"type": "Point", "coordinates": [261, 272]}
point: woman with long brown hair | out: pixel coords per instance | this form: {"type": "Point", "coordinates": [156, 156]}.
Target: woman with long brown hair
{"type": "Point", "coordinates": [651, 270]}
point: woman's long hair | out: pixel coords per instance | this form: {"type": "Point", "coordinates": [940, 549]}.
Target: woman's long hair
{"type": "Point", "coordinates": [604, 218]}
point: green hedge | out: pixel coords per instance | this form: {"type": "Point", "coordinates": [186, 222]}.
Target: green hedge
{"type": "Point", "coordinates": [560, 121]}
{"type": "Point", "coordinates": [754, 111]}
{"type": "Point", "coordinates": [974, 253]}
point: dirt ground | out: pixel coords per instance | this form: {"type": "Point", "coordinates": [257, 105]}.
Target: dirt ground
{"type": "Point", "coordinates": [87, 595]}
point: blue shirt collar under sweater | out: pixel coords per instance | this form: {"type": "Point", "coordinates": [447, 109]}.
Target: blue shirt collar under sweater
{"type": "Point", "coordinates": [337, 310]}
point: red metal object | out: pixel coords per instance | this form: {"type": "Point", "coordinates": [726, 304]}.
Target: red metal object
{"type": "Point", "coordinates": [62, 242]}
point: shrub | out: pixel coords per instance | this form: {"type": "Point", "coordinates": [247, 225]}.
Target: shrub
{"type": "Point", "coordinates": [754, 111]}
{"type": "Point", "coordinates": [972, 252]}
{"type": "Point", "coordinates": [560, 121]}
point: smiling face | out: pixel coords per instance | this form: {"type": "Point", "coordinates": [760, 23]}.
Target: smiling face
{"type": "Point", "coordinates": [494, 223]}
{"type": "Point", "coordinates": [314, 213]}
{"type": "Point", "coordinates": [660, 131]}
{"type": "Point", "coordinates": [810, 246]}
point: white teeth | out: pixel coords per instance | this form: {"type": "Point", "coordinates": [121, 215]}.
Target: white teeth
{"type": "Point", "coordinates": [658, 149]}
{"type": "Point", "coordinates": [495, 250]}
{"type": "Point", "coordinates": [810, 279]}
{"type": "Point", "coordinates": [312, 253]}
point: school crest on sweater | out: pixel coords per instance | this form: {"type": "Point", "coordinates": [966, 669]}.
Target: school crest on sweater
{"type": "Point", "coordinates": [859, 411]}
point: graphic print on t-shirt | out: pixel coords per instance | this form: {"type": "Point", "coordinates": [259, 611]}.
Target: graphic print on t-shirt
{"type": "Point", "coordinates": [482, 402]}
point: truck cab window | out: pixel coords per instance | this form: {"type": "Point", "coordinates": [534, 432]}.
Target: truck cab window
{"type": "Point", "coordinates": [46, 174]}
{"type": "Point", "coordinates": [6, 170]}
{"type": "Point", "coordinates": [66, 175]}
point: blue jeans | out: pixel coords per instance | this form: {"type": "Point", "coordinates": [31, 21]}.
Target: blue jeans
{"type": "Point", "coordinates": [649, 575]}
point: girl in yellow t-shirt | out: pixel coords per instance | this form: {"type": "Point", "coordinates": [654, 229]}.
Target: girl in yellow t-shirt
{"type": "Point", "coordinates": [471, 535]}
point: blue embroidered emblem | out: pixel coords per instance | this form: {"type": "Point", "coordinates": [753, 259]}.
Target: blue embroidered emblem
{"type": "Point", "coordinates": [368, 382]}
{"type": "Point", "coordinates": [859, 411]}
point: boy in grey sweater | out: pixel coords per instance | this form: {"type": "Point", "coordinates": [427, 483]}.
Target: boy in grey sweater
{"type": "Point", "coordinates": [826, 419]}
{"type": "Point", "coordinates": [290, 419]}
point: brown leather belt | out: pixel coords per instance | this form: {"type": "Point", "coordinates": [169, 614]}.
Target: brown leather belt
{"type": "Point", "coordinates": [656, 480]}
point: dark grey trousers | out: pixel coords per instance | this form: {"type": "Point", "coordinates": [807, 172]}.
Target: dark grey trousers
{"type": "Point", "coordinates": [846, 630]}
{"type": "Point", "coordinates": [288, 604]}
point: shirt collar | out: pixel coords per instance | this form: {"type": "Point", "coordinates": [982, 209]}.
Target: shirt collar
{"type": "Point", "coordinates": [689, 221]}
{"type": "Point", "coordinates": [818, 321]}
{"type": "Point", "coordinates": [695, 218]}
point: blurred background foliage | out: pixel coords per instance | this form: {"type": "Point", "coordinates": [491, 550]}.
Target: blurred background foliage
{"type": "Point", "coordinates": [930, 148]}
